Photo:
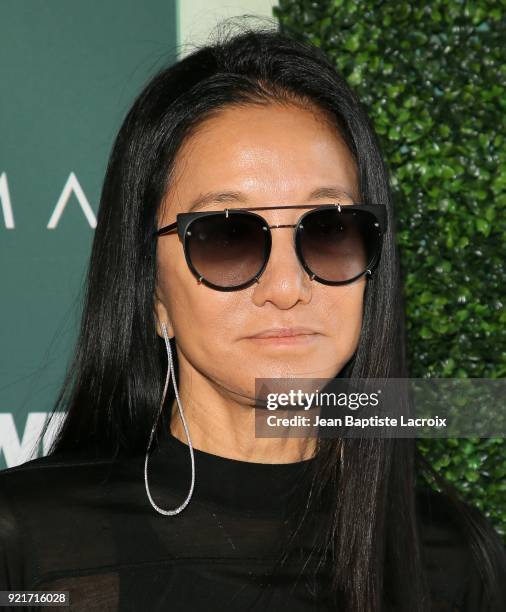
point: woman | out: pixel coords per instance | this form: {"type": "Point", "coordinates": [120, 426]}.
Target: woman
{"type": "Point", "coordinates": [161, 497]}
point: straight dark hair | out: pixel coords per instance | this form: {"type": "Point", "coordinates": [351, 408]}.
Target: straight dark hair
{"type": "Point", "coordinates": [114, 383]}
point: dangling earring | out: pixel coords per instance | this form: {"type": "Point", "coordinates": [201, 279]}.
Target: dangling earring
{"type": "Point", "coordinates": [170, 370]}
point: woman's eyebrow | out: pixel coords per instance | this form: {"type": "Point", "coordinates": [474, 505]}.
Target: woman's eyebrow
{"type": "Point", "coordinates": [329, 192]}
{"type": "Point", "coordinates": [217, 196]}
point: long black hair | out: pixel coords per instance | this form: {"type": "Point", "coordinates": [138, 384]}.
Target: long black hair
{"type": "Point", "coordinates": [113, 385]}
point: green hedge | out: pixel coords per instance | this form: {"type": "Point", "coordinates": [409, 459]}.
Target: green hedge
{"type": "Point", "coordinates": [432, 76]}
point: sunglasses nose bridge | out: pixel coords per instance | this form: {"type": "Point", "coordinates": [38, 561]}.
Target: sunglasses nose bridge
{"type": "Point", "coordinates": [282, 225]}
{"type": "Point", "coordinates": [268, 227]}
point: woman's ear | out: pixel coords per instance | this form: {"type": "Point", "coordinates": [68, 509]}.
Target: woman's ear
{"type": "Point", "coordinates": [162, 316]}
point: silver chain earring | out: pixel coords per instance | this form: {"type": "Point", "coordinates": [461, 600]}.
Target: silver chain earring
{"type": "Point", "coordinates": [170, 370]}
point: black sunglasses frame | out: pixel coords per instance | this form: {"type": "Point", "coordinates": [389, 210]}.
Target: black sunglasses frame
{"type": "Point", "coordinates": [184, 220]}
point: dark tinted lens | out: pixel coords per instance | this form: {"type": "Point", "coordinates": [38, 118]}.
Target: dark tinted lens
{"type": "Point", "coordinates": [227, 252]}
{"type": "Point", "coordinates": [338, 246]}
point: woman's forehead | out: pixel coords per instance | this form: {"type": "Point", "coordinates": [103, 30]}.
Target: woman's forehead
{"type": "Point", "coordinates": [237, 138]}
{"type": "Point", "coordinates": [261, 154]}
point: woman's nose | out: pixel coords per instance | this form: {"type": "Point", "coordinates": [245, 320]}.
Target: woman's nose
{"type": "Point", "coordinates": [284, 281]}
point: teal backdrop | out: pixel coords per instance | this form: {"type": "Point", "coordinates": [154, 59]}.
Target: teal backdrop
{"type": "Point", "coordinates": [69, 73]}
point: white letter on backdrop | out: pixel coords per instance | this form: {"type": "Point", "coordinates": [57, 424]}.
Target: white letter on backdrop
{"type": "Point", "coordinates": [72, 185]}
{"type": "Point", "coordinates": [5, 198]}
{"type": "Point", "coordinates": [18, 451]}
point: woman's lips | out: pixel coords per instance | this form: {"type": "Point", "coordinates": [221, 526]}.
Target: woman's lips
{"type": "Point", "coordinates": [286, 340]}
{"type": "Point", "coordinates": [283, 337]}
{"type": "Point", "coordinates": [284, 332]}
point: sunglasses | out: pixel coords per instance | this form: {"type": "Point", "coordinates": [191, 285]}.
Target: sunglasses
{"type": "Point", "coordinates": [228, 250]}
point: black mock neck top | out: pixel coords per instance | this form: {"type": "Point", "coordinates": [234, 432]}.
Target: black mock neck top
{"type": "Point", "coordinates": [73, 523]}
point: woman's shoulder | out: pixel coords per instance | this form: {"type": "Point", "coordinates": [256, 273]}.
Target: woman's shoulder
{"type": "Point", "coordinates": [40, 486]}
{"type": "Point", "coordinates": [54, 469]}
{"type": "Point", "coordinates": [438, 517]}
{"type": "Point", "coordinates": [44, 502]}
{"type": "Point", "coordinates": [449, 551]}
